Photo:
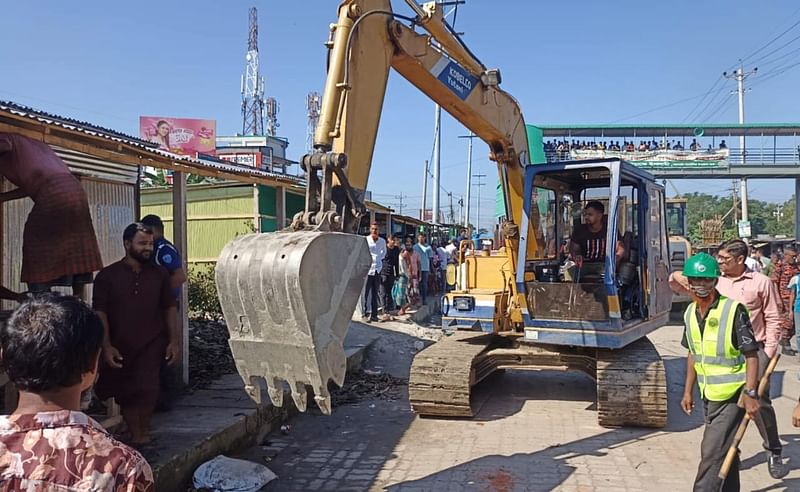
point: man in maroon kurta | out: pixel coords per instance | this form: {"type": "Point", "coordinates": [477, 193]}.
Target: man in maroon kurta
{"type": "Point", "coordinates": [136, 304]}
{"type": "Point", "coordinates": [59, 245]}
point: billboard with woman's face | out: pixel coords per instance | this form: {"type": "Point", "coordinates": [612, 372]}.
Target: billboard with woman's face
{"type": "Point", "coordinates": [184, 136]}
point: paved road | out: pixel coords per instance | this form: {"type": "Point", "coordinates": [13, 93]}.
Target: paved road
{"type": "Point", "coordinates": [537, 431]}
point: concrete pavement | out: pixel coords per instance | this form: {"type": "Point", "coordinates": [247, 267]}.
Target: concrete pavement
{"type": "Point", "coordinates": [221, 419]}
{"type": "Point", "coordinates": [536, 431]}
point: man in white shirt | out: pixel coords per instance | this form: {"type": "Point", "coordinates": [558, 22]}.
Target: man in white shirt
{"type": "Point", "coordinates": [452, 248]}
{"type": "Point", "coordinates": [444, 259]}
{"type": "Point", "coordinates": [752, 262]}
{"type": "Point", "coordinates": [377, 249]}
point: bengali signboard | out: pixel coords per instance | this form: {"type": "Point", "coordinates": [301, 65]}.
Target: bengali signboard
{"type": "Point", "coordinates": [252, 159]}
{"type": "Point", "coordinates": [661, 159]}
{"type": "Point", "coordinates": [184, 136]}
{"type": "Point", "coordinates": [744, 228]}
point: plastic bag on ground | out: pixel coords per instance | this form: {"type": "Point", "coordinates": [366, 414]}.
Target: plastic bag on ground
{"type": "Point", "coordinates": [225, 474]}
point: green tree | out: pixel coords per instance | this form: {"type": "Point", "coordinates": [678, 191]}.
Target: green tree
{"type": "Point", "coordinates": [762, 216]}
{"type": "Point", "coordinates": [159, 179]}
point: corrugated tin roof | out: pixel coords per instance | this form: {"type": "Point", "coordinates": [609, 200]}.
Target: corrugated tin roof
{"type": "Point", "coordinates": [72, 124]}
{"type": "Point", "coordinates": [377, 207]}
{"type": "Point", "coordinates": [196, 164]}
{"type": "Point", "coordinates": [199, 164]}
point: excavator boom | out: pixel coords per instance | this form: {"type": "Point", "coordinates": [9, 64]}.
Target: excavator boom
{"type": "Point", "coordinates": [288, 296]}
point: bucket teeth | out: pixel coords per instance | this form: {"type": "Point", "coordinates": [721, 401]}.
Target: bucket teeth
{"type": "Point", "coordinates": [287, 298]}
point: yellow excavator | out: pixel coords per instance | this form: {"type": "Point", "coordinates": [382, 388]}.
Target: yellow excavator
{"type": "Point", "coordinates": [288, 296]}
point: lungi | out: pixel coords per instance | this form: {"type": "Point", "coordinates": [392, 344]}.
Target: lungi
{"type": "Point", "coordinates": [59, 237]}
{"type": "Point", "coordinates": [137, 382]}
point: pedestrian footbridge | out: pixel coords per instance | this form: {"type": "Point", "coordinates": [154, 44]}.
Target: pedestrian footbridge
{"type": "Point", "coordinates": [761, 150]}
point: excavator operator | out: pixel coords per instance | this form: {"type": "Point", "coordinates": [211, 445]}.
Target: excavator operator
{"type": "Point", "coordinates": [588, 241]}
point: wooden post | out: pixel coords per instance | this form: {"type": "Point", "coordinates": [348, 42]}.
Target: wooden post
{"type": "Point", "coordinates": [280, 207]}
{"type": "Point", "coordinates": [256, 208]}
{"type": "Point", "coordinates": [179, 238]}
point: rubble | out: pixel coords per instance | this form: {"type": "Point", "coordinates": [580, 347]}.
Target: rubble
{"type": "Point", "coordinates": [364, 385]}
{"type": "Point", "coordinates": [209, 353]}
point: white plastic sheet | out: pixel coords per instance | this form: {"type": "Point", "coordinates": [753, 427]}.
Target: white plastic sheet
{"type": "Point", "coordinates": [223, 474]}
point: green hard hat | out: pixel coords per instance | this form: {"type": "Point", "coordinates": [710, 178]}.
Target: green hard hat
{"type": "Point", "coordinates": [701, 265]}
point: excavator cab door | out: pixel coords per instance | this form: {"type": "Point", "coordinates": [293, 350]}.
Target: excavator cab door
{"type": "Point", "coordinates": [657, 247]}
{"type": "Point", "coordinates": [556, 288]}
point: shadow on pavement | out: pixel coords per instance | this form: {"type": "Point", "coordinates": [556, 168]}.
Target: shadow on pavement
{"type": "Point", "coordinates": [548, 468]}
{"type": "Point", "coordinates": [540, 470]}
{"type": "Point", "coordinates": [347, 450]}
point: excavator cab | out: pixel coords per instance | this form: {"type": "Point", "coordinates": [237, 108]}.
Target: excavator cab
{"type": "Point", "coordinates": [679, 246]}
{"type": "Point", "coordinates": [616, 295]}
{"type": "Point", "coordinates": [619, 292]}
{"type": "Point", "coordinates": [557, 313]}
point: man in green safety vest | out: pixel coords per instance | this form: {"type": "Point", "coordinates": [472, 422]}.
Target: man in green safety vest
{"type": "Point", "coordinates": [723, 360]}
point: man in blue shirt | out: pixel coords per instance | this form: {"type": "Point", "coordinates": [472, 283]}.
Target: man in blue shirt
{"type": "Point", "coordinates": [425, 253]}
{"type": "Point", "coordinates": [165, 254]}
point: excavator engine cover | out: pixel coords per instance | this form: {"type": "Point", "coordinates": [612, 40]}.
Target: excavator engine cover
{"type": "Point", "coordinates": [288, 298]}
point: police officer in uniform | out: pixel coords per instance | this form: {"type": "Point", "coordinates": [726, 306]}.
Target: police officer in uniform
{"type": "Point", "coordinates": [723, 361]}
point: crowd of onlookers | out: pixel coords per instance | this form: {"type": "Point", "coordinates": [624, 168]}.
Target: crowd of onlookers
{"type": "Point", "coordinates": [405, 271]}
{"type": "Point", "coordinates": [563, 147]}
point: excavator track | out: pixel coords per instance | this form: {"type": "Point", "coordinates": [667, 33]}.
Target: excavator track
{"type": "Point", "coordinates": [631, 386]}
{"type": "Point", "coordinates": [443, 374]}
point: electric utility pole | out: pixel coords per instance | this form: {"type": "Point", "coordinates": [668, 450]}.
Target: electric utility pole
{"type": "Point", "coordinates": [469, 175]}
{"type": "Point", "coordinates": [424, 192]}
{"type": "Point", "coordinates": [480, 183]}
{"type": "Point", "coordinates": [437, 154]}
{"type": "Point", "coordinates": [739, 75]}
{"type": "Point", "coordinates": [400, 197]}
{"type": "Point", "coordinates": [452, 212]}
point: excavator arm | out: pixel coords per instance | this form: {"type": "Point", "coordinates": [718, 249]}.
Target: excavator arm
{"type": "Point", "coordinates": [288, 296]}
{"type": "Point", "coordinates": [369, 39]}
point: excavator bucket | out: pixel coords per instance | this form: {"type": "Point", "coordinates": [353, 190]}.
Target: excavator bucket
{"type": "Point", "coordinates": [288, 298]}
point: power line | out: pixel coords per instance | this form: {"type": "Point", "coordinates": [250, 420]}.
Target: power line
{"type": "Point", "coordinates": [773, 40]}
{"type": "Point", "coordinates": [719, 79]}
{"type": "Point", "coordinates": [770, 62]}
{"type": "Point", "coordinates": [709, 104]}
{"type": "Point", "coordinates": [776, 73]}
{"type": "Point", "coordinates": [669, 105]}
{"type": "Point", "coordinates": [722, 105]}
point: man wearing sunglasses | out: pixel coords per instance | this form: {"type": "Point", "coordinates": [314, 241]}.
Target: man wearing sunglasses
{"type": "Point", "coordinates": [760, 296]}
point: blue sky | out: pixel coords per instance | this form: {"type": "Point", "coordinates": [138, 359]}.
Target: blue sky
{"type": "Point", "coordinates": [566, 62]}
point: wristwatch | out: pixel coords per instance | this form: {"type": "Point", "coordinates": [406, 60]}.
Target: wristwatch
{"type": "Point", "coordinates": [751, 393]}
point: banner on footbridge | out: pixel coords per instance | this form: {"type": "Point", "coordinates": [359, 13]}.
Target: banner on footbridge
{"type": "Point", "coordinates": [661, 159]}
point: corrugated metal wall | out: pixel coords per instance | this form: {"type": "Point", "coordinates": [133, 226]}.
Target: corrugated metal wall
{"type": "Point", "coordinates": [215, 216]}
{"type": "Point", "coordinates": [86, 165]}
{"type": "Point", "coordinates": [111, 204]}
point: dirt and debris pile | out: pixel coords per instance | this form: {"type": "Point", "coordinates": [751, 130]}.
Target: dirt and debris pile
{"type": "Point", "coordinates": [209, 353]}
{"type": "Point", "coordinates": [366, 385]}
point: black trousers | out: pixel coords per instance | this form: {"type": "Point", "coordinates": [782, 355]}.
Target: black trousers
{"type": "Point", "coordinates": [722, 419]}
{"type": "Point", "coordinates": [371, 295]}
{"type": "Point", "coordinates": [387, 282]}
{"type": "Point", "coordinates": [766, 421]}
